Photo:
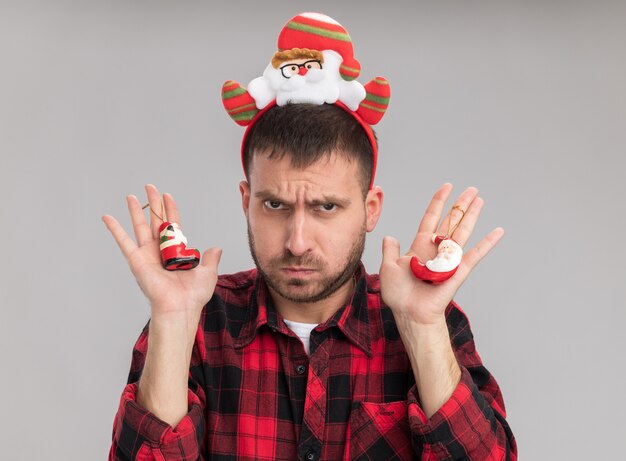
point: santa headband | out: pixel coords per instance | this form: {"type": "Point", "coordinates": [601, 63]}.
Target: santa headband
{"type": "Point", "coordinates": [314, 64]}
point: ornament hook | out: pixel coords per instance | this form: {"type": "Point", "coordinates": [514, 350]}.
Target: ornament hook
{"type": "Point", "coordinates": [154, 212]}
{"type": "Point", "coordinates": [451, 228]}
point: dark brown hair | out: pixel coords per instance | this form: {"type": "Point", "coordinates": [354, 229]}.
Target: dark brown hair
{"type": "Point", "coordinates": [307, 133]}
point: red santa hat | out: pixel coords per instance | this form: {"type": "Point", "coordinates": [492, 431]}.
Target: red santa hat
{"type": "Point", "coordinates": [317, 31]}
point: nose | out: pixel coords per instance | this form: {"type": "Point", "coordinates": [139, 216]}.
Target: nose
{"type": "Point", "coordinates": [302, 70]}
{"type": "Point", "coordinates": [299, 241]}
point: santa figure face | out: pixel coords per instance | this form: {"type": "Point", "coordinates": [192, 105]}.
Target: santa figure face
{"type": "Point", "coordinates": [449, 254]}
{"type": "Point", "coordinates": [305, 79]}
{"type": "Point", "coordinates": [446, 249]}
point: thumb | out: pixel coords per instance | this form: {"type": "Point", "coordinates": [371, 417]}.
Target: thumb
{"type": "Point", "coordinates": [211, 258]}
{"type": "Point", "coordinates": [391, 250]}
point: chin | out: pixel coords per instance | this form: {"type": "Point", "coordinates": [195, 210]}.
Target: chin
{"type": "Point", "coordinates": [299, 293]}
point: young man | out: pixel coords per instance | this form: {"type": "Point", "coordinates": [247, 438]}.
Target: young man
{"type": "Point", "coordinates": [307, 356]}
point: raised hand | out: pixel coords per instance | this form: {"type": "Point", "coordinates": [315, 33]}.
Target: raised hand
{"type": "Point", "coordinates": [169, 292]}
{"type": "Point", "coordinates": [176, 301]}
{"type": "Point", "coordinates": [419, 307]}
{"type": "Point", "coordinates": [412, 299]}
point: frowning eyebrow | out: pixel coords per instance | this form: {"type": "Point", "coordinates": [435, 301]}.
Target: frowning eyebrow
{"type": "Point", "coordinates": [324, 200]}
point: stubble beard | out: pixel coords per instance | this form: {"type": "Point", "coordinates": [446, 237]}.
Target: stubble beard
{"type": "Point", "coordinates": [329, 285]}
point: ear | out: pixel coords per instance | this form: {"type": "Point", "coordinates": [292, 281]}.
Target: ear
{"type": "Point", "coordinates": [244, 189]}
{"type": "Point", "coordinates": [373, 207]}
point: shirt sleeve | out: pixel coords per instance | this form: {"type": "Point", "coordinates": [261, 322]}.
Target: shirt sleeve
{"type": "Point", "coordinates": [471, 425]}
{"type": "Point", "coordinates": [139, 435]}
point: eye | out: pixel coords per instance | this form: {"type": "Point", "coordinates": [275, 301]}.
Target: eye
{"type": "Point", "coordinates": [274, 205]}
{"type": "Point", "coordinates": [328, 207]}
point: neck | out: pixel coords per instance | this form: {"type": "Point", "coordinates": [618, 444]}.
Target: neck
{"type": "Point", "coordinates": [316, 312]}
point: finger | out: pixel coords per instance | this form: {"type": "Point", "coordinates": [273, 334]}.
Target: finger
{"type": "Point", "coordinates": [464, 230]}
{"type": "Point", "coordinates": [391, 250]}
{"type": "Point", "coordinates": [154, 200]}
{"type": "Point", "coordinates": [464, 201]}
{"type": "Point", "coordinates": [143, 234]}
{"type": "Point", "coordinates": [211, 258]}
{"type": "Point", "coordinates": [171, 210]}
{"type": "Point", "coordinates": [477, 253]}
{"type": "Point", "coordinates": [124, 242]}
{"type": "Point", "coordinates": [432, 215]}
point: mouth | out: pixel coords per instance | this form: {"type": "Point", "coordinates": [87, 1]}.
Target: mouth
{"type": "Point", "coordinates": [297, 272]}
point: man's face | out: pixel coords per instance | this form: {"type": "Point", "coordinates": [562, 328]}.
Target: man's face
{"type": "Point", "coordinates": [307, 227]}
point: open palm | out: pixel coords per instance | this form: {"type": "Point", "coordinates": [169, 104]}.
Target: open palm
{"type": "Point", "coordinates": [412, 299]}
{"type": "Point", "coordinates": [169, 292]}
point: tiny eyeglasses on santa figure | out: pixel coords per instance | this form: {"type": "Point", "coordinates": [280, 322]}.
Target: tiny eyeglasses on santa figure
{"type": "Point", "coordinates": [292, 68]}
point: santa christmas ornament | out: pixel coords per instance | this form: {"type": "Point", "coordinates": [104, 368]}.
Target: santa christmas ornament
{"type": "Point", "coordinates": [314, 64]}
{"type": "Point", "coordinates": [449, 255]}
{"type": "Point", "coordinates": [443, 266]}
{"type": "Point", "coordinates": [173, 246]}
{"type": "Point", "coordinates": [174, 252]}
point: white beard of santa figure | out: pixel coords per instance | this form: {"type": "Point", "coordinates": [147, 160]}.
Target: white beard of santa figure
{"type": "Point", "coordinates": [316, 86]}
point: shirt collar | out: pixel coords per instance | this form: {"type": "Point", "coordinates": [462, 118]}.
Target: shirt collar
{"type": "Point", "coordinates": [352, 318]}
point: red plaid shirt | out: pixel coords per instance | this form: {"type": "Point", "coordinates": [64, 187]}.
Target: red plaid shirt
{"type": "Point", "coordinates": [254, 393]}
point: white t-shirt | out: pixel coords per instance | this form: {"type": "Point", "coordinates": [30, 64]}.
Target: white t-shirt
{"type": "Point", "coordinates": [303, 331]}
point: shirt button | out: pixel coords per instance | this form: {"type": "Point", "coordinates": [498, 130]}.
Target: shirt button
{"type": "Point", "coordinates": [310, 456]}
{"type": "Point", "coordinates": [300, 369]}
